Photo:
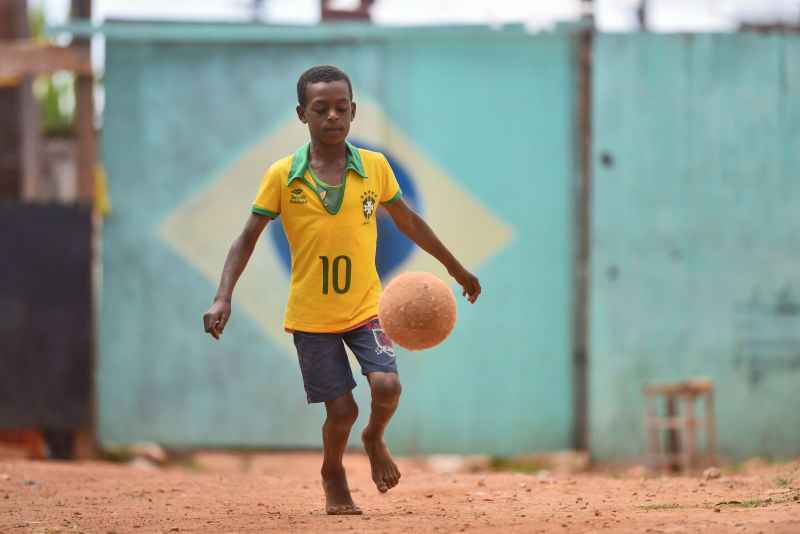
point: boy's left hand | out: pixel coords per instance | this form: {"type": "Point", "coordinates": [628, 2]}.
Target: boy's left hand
{"type": "Point", "coordinates": [471, 287]}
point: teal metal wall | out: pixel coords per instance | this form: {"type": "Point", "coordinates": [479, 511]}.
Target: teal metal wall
{"type": "Point", "coordinates": [481, 120]}
{"type": "Point", "coordinates": [695, 233]}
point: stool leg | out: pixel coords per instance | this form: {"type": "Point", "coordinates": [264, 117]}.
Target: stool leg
{"type": "Point", "coordinates": [688, 434]}
{"type": "Point", "coordinates": [653, 443]}
{"type": "Point", "coordinates": [711, 429]}
{"type": "Point", "coordinates": [673, 436]}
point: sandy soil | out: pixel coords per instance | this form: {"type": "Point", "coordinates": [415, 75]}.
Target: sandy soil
{"type": "Point", "coordinates": [280, 492]}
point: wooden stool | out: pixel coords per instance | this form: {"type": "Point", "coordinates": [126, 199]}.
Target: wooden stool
{"type": "Point", "coordinates": [681, 428]}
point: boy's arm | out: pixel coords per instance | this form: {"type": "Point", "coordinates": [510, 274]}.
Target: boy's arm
{"type": "Point", "coordinates": [416, 229]}
{"type": "Point", "coordinates": [215, 319]}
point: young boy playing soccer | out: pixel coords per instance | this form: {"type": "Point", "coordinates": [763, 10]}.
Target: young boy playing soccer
{"type": "Point", "coordinates": [328, 192]}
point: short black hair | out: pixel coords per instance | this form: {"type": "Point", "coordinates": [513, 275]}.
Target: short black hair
{"type": "Point", "coordinates": [320, 73]}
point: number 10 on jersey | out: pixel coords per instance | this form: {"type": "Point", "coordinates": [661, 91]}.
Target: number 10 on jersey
{"type": "Point", "coordinates": [332, 272]}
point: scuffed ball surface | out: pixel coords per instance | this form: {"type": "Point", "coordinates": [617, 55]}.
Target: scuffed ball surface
{"type": "Point", "coordinates": [417, 310]}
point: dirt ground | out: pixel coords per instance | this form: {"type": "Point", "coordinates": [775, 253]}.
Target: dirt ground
{"type": "Point", "coordinates": [221, 493]}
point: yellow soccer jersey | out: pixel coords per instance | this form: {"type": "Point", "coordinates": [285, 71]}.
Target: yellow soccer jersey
{"type": "Point", "coordinates": [332, 233]}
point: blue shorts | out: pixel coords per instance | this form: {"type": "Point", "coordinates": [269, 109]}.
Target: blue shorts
{"type": "Point", "coordinates": [325, 366]}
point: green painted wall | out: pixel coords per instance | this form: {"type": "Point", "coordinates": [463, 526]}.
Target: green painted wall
{"type": "Point", "coordinates": [695, 234]}
{"type": "Point", "coordinates": [481, 119]}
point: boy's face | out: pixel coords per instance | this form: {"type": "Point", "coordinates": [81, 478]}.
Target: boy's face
{"type": "Point", "coordinates": [328, 111]}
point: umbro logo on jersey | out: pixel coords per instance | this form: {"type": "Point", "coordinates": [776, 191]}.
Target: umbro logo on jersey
{"type": "Point", "coordinates": [298, 196]}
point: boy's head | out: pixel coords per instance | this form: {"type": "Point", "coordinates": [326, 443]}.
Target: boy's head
{"type": "Point", "coordinates": [325, 103]}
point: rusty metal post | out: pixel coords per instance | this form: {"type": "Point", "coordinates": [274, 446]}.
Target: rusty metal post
{"type": "Point", "coordinates": [19, 118]}
{"type": "Point", "coordinates": [361, 13]}
{"type": "Point", "coordinates": [641, 15]}
{"type": "Point", "coordinates": [87, 162]}
{"type": "Point", "coordinates": [582, 237]}
{"type": "Point", "coordinates": [84, 118]}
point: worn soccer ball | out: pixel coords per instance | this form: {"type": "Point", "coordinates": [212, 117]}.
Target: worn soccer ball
{"type": "Point", "coordinates": [417, 310]}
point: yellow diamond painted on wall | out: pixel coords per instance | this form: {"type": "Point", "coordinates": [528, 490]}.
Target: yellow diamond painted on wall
{"type": "Point", "coordinates": [202, 229]}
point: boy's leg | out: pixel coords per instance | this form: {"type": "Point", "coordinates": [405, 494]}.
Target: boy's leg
{"type": "Point", "coordinates": [375, 353]}
{"type": "Point", "coordinates": [327, 378]}
{"type": "Point", "coordinates": [341, 415]}
{"type": "Point", "coordinates": [385, 397]}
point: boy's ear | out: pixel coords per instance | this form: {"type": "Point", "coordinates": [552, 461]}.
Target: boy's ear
{"type": "Point", "coordinates": [352, 111]}
{"type": "Point", "coordinates": [301, 114]}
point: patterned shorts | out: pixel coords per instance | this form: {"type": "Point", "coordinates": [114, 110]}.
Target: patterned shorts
{"type": "Point", "coordinates": [324, 364]}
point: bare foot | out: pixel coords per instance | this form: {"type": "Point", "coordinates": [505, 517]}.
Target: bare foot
{"type": "Point", "coordinates": [384, 471]}
{"type": "Point", "coordinates": [337, 494]}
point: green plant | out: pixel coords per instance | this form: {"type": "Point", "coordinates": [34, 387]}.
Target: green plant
{"type": "Point", "coordinates": [519, 465]}
{"type": "Point", "coordinates": [755, 503]}
{"type": "Point", "coordinates": [54, 92]}
{"type": "Point", "coordinates": [660, 506]}
{"type": "Point", "coordinates": [750, 503]}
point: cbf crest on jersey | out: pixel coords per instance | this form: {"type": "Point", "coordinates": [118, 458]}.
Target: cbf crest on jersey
{"type": "Point", "coordinates": [368, 204]}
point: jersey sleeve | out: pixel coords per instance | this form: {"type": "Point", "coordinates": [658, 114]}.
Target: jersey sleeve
{"type": "Point", "coordinates": [268, 199]}
{"type": "Point", "coordinates": [390, 189]}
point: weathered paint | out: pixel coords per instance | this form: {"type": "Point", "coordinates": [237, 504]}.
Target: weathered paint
{"type": "Point", "coordinates": [695, 234]}
{"type": "Point", "coordinates": [482, 120]}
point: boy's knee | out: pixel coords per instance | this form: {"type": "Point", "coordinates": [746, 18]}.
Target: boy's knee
{"type": "Point", "coordinates": [342, 411]}
{"type": "Point", "coordinates": [386, 387]}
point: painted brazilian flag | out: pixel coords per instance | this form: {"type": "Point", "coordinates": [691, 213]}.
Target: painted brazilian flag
{"type": "Point", "coordinates": [476, 125]}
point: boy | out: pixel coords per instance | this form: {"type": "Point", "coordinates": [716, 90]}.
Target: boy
{"type": "Point", "coordinates": [327, 193]}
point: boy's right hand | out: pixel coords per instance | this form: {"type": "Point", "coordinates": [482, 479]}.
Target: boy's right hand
{"type": "Point", "coordinates": [216, 317]}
